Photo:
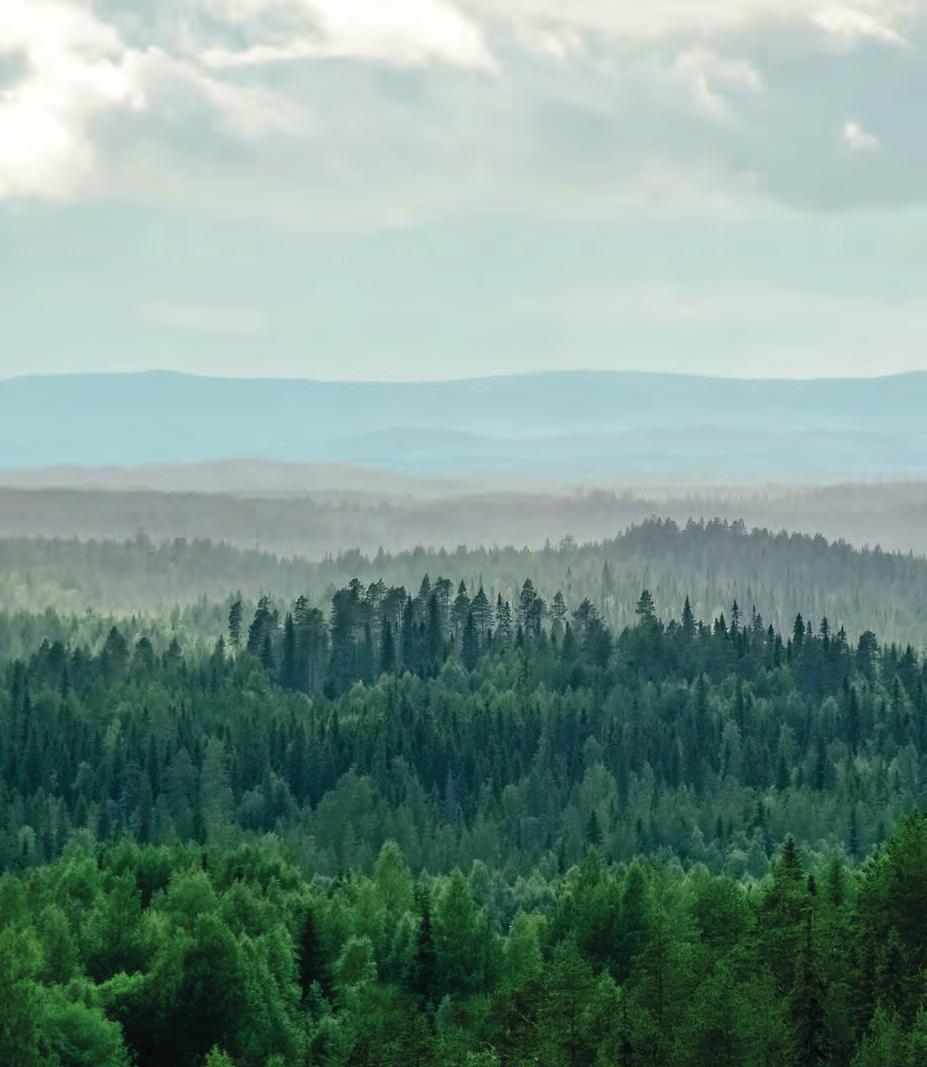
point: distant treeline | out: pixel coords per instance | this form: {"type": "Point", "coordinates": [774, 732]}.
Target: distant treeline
{"type": "Point", "coordinates": [276, 509]}
{"type": "Point", "coordinates": [713, 563]}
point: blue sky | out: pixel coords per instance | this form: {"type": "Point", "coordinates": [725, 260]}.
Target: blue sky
{"type": "Point", "coordinates": [430, 188]}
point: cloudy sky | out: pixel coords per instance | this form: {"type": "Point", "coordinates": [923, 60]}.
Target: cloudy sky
{"type": "Point", "coordinates": [439, 188]}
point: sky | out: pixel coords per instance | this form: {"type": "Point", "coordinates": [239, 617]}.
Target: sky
{"type": "Point", "coordinates": [450, 188]}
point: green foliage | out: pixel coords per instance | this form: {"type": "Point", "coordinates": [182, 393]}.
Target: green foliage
{"type": "Point", "coordinates": [73, 1034]}
{"type": "Point", "coordinates": [216, 981]}
{"type": "Point", "coordinates": [20, 1016]}
{"type": "Point", "coordinates": [709, 740]}
{"type": "Point", "coordinates": [531, 838]}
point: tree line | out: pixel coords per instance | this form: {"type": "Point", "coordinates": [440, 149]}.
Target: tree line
{"type": "Point", "coordinates": [712, 562]}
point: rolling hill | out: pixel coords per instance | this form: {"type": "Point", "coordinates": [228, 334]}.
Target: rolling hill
{"type": "Point", "coordinates": [565, 427]}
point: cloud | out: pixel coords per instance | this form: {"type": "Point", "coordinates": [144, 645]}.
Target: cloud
{"type": "Point", "coordinates": [246, 111]}
{"type": "Point", "coordinates": [858, 139]}
{"type": "Point", "coordinates": [74, 70]}
{"type": "Point", "coordinates": [404, 33]}
{"type": "Point", "coordinates": [709, 75]}
{"type": "Point", "coordinates": [398, 110]}
{"type": "Point", "coordinates": [701, 20]}
{"type": "Point", "coordinates": [850, 25]}
{"type": "Point", "coordinates": [629, 21]}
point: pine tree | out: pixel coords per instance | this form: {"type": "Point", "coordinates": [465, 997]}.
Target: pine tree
{"type": "Point", "coordinates": [425, 969]}
{"type": "Point", "coordinates": [19, 1005]}
{"type": "Point", "coordinates": [235, 616]}
{"type": "Point", "coordinates": [289, 662]}
{"type": "Point", "coordinates": [569, 988]}
{"type": "Point", "coordinates": [470, 652]}
{"type": "Point", "coordinates": [883, 1044]}
{"type": "Point", "coordinates": [268, 660]}
{"type": "Point", "coordinates": [892, 976]}
{"type": "Point", "coordinates": [408, 638]}
{"type": "Point", "coordinates": [558, 612]}
{"type": "Point", "coordinates": [503, 634]}
{"type": "Point", "coordinates": [645, 609]}
{"type": "Point", "coordinates": [434, 636]}
{"type": "Point", "coordinates": [806, 1004]}
{"type": "Point", "coordinates": [387, 650]}
{"type": "Point", "coordinates": [593, 831]}
{"type": "Point", "coordinates": [460, 611]}
{"type": "Point", "coordinates": [916, 1055]}
{"type": "Point", "coordinates": [309, 954]}
{"type": "Point", "coordinates": [261, 626]}
{"type": "Point", "coordinates": [688, 620]}
{"type": "Point", "coordinates": [482, 613]}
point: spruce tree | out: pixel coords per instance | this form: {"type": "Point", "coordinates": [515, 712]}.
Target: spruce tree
{"type": "Point", "coordinates": [387, 650]}
{"type": "Point", "coordinates": [289, 662]}
{"type": "Point", "coordinates": [645, 609]}
{"type": "Point", "coordinates": [806, 1004]}
{"type": "Point", "coordinates": [470, 652]}
{"type": "Point", "coordinates": [235, 616]}
{"type": "Point", "coordinates": [688, 620]}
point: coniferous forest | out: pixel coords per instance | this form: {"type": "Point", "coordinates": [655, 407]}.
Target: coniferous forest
{"type": "Point", "coordinates": [463, 533]}
{"type": "Point", "coordinates": [475, 823]}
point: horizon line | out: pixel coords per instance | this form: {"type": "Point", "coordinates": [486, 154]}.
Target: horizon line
{"type": "Point", "coordinates": [579, 372]}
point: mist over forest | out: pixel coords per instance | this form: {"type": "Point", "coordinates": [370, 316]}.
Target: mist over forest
{"type": "Point", "coordinates": [264, 509]}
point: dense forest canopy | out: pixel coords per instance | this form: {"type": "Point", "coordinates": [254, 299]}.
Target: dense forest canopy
{"type": "Point", "coordinates": [713, 563]}
{"type": "Point", "coordinates": [429, 826]}
{"type": "Point", "coordinates": [180, 956]}
{"type": "Point", "coordinates": [516, 733]}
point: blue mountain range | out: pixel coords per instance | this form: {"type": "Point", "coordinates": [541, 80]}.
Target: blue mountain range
{"type": "Point", "coordinates": [566, 426]}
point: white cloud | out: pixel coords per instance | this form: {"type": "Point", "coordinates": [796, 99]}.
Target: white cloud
{"type": "Point", "coordinates": [590, 102]}
{"type": "Point", "coordinates": [629, 19]}
{"type": "Point", "coordinates": [561, 44]}
{"type": "Point", "coordinates": [708, 76]}
{"type": "Point", "coordinates": [246, 111]}
{"type": "Point", "coordinates": [397, 32]}
{"type": "Point", "coordinates": [75, 70]}
{"type": "Point", "coordinates": [857, 138]}
{"type": "Point", "coordinates": [702, 18]}
{"type": "Point", "coordinates": [849, 25]}
{"type": "Point", "coordinates": [78, 70]}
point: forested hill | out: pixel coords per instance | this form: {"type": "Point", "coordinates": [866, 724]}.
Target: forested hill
{"type": "Point", "coordinates": [572, 425]}
{"type": "Point", "coordinates": [420, 828]}
{"type": "Point", "coordinates": [713, 563]}
{"type": "Point", "coordinates": [384, 842]}
{"type": "Point", "coordinates": [465, 729]}
{"type": "Point", "coordinates": [291, 518]}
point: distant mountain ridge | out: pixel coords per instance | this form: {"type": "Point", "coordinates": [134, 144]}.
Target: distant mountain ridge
{"type": "Point", "coordinates": [571, 426]}
{"type": "Point", "coordinates": [253, 477]}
